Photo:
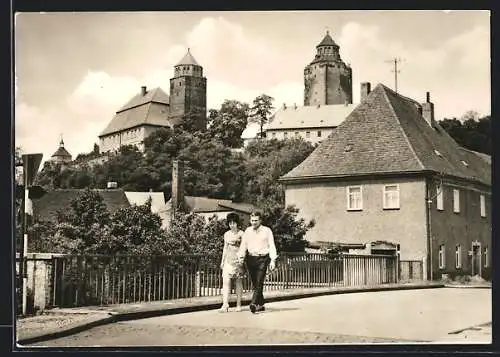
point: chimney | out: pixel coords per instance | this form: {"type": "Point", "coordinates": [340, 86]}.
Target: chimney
{"type": "Point", "coordinates": [428, 110]}
{"type": "Point", "coordinates": [143, 90]}
{"type": "Point", "coordinates": [365, 90]}
{"type": "Point", "coordinates": [177, 186]}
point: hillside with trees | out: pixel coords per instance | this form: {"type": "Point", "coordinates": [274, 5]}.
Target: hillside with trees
{"type": "Point", "coordinates": [215, 165]}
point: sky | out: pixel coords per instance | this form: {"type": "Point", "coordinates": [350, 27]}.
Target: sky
{"type": "Point", "coordinates": [73, 71]}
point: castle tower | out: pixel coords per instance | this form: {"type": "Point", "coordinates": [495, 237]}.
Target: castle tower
{"type": "Point", "coordinates": [188, 93]}
{"type": "Point", "coordinates": [327, 79]}
{"type": "Point", "coordinates": [61, 155]}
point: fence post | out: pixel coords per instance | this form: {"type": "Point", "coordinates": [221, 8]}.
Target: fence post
{"type": "Point", "coordinates": [424, 268]}
{"type": "Point", "coordinates": [197, 283]}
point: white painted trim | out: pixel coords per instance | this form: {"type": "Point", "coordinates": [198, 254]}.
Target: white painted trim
{"type": "Point", "coordinates": [360, 208]}
{"type": "Point", "coordinates": [384, 200]}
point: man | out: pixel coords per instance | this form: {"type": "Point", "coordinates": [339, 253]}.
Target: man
{"type": "Point", "coordinates": [258, 242]}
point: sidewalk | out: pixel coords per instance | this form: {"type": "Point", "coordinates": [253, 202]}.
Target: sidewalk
{"type": "Point", "coordinates": [60, 322]}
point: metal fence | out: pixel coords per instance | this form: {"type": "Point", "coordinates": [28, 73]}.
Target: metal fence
{"type": "Point", "coordinates": [103, 280]}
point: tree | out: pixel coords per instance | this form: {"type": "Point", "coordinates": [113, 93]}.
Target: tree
{"type": "Point", "coordinates": [266, 161]}
{"type": "Point", "coordinates": [470, 132]}
{"type": "Point", "coordinates": [228, 123]}
{"type": "Point", "coordinates": [289, 231]}
{"type": "Point", "coordinates": [261, 110]}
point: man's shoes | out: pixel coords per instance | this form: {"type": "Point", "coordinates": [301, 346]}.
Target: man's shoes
{"type": "Point", "coordinates": [260, 308]}
{"type": "Point", "coordinates": [253, 307]}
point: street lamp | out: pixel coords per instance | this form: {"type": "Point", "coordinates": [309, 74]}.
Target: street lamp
{"type": "Point", "coordinates": [30, 164]}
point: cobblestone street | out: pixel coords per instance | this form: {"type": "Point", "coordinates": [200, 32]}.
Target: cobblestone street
{"type": "Point", "coordinates": [430, 315]}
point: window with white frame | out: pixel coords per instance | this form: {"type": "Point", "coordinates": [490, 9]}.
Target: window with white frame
{"type": "Point", "coordinates": [391, 197]}
{"type": "Point", "coordinates": [439, 197]}
{"type": "Point", "coordinates": [486, 262]}
{"type": "Point", "coordinates": [482, 203]}
{"type": "Point", "coordinates": [354, 198]}
{"type": "Point", "coordinates": [441, 256]}
{"type": "Point", "coordinates": [458, 256]}
{"type": "Point", "coordinates": [456, 200]}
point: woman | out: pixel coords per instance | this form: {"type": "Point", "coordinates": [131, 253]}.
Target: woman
{"type": "Point", "coordinates": [231, 265]}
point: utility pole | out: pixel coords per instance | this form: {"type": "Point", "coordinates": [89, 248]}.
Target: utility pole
{"type": "Point", "coordinates": [395, 61]}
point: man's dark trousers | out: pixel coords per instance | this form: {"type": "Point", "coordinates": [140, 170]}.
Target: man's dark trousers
{"type": "Point", "coordinates": [257, 268]}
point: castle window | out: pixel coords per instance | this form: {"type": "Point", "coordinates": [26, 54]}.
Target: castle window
{"type": "Point", "coordinates": [319, 133]}
{"type": "Point", "coordinates": [354, 198]}
{"type": "Point", "coordinates": [180, 84]}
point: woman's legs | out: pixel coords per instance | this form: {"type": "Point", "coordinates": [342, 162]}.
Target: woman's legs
{"type": "Point", "coordinates": [226, 285]}
{"type": "Point", "coordinates": [239, 293]}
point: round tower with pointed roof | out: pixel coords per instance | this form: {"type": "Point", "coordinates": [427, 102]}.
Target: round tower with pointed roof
{"type": "Point", "coordinates": [188, 93]}
{"type": "Point", "coordinates": [327, 79]}
{"type": "Point", "coordinates": [61, 154]}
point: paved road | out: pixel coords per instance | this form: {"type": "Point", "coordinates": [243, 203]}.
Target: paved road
{"type": "Point", "coordinates": [390, 316]}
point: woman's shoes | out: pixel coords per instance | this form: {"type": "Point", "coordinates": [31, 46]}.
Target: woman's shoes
{"type": "Point", "coordinates": [224, 308]}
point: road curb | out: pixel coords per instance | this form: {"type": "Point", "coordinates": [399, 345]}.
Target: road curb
{"type": "Point", "coordinates": [71, 330]}
{"type": "Point", "coordinates": [194, 307]}
{"type": "Point", "coordinates": [467, 286]}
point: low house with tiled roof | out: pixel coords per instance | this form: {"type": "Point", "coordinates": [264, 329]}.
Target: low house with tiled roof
{"type": "Point", "coordinates": [390, 172]}
{"type": "Point", "coordinates": [151, 109]}
{"type": "Point", "coordinates": [46, 207]}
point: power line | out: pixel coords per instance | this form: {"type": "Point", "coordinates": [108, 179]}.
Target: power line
{"type": "Point", "coordinates": [395, 61]}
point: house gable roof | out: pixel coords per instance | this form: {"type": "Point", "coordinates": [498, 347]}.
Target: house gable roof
{"type": "Point", "coordinates": [387, 134]}
{"type": "Point", "coordinates": [46, 207]}
{"type": "Point", "coordinates": [323, 116]}
{"type": "Point", "coordinates": [158, 203]}
{"type": "Point", "coordinates": [149, 109]}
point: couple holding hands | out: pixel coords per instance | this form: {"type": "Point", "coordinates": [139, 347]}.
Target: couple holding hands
{"type": "Point", "coordinates": [256, 247]}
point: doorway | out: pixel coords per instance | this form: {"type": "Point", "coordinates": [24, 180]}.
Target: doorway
{"type": "Point", "coordinates": [476, 258]}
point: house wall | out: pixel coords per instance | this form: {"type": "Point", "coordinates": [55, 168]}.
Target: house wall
{"type": "Point", "coordinates": [326, 203]}
{"type": "Point", "coordinates": [312, 137]}
{"type": "Point", "coordinates": [463, 228]}
{"type": "Point", "coordinates": [134, 136]}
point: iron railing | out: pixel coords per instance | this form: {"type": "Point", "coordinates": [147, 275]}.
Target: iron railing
{"type": "Point", "coordinates": [103, 280]}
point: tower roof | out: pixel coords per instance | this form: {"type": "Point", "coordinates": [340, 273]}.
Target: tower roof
{"type": "Point", "coordinates": [188, 59]}
{"type": "Point", "coordinates": [327, 41]}
{"type": "Point", "coordinates": [61, 151]}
